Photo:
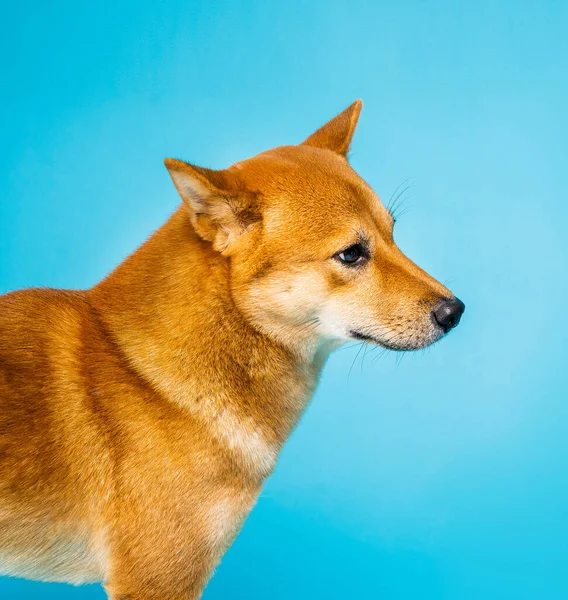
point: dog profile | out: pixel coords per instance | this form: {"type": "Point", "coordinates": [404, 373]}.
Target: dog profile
{"type": "Point", "coordinates": [139, 418]}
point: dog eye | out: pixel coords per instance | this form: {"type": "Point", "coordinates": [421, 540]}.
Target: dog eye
{"type": "Point", "coordinates": [352, 255]}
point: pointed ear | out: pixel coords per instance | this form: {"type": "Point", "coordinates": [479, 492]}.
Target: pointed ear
{"type": "Point", "coordinates": [219, 209]}
{"type": "Point", "coordinates": [336, 135]}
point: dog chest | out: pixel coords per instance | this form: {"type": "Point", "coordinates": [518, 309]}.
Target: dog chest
{"type": "Point", "coordinates": [44, 552]}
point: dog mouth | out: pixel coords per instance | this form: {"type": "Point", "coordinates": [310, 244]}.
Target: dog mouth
{"type": "Point", "coordinates": [445, 316]}
{"type": "Point", "coordinates": [364, 337]}
{"type": "Point", "coordinates": [359, 335]}
{"type": "Point", "coordinates": [392, 344]}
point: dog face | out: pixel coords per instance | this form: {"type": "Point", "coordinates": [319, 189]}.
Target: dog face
{"type": "Point", "coordinates": [311, 247]}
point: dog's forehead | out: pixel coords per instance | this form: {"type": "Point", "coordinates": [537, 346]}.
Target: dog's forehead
{"type": "Point", "coordinates": [313, 193]}
{"type": "Point", "coordinates": [306, 182]}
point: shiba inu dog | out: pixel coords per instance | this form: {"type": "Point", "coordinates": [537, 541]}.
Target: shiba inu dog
{"type": "Point", "coordinates": [139, 418]}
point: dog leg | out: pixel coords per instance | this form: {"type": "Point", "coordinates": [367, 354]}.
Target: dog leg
{"type": "Point", "coordinates": [188, 595]}
{"type": "Point", "coordinates": [154, 565]}
{"type": "Point", "coordinates": [135, 582]}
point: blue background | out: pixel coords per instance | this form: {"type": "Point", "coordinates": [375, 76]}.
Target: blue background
{"type": "Point", "coordinates": [441, 475]}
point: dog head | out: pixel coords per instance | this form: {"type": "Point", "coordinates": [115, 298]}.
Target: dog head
{"type": "Point", "coordinates": [311, 248]}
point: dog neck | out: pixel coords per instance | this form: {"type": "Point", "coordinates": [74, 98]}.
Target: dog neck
{"type": "Point", "coordinates": [168, 307]}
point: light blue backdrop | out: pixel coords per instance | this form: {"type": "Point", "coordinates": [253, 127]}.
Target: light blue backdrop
{"type": "Point", "coordinates": [440, 476]}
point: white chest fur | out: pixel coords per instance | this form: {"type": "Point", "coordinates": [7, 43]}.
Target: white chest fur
{"type": "Point", "coordinates": [52, 553]}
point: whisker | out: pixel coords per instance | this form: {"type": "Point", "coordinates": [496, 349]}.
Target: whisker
{"type": "Point", "coordinates": [401, 208]}
{"type": "Point", "coordinates": [365, 349]}
{"type": "Point", "coordinates": [390, 202]}
{"type": "Point", "coordinates": [309, 326]}
{"type": "Point", "coordinates": [395, 203]}
{"type": "Point", "coordinates": [347, 346]}
{"type": "Point", "coordinates": [354, 360]}
{"type": "Point", "coordinates": [382, 352]}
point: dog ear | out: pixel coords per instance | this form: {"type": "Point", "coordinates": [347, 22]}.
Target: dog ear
{"type": "Point", "coordinates": [336, 135]}
{"type": "Point", "coordinates": [219, 209]}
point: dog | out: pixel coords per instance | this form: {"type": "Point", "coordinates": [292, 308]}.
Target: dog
{"type": "Point", "coordinates": [139, 418]}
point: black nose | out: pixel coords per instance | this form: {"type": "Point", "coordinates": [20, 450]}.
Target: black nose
{"type": "Point", "coordinates": [448, 313]}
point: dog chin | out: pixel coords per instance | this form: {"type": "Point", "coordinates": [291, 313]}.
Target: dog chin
{"type": "Point", "coordinates": [401, 344]}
